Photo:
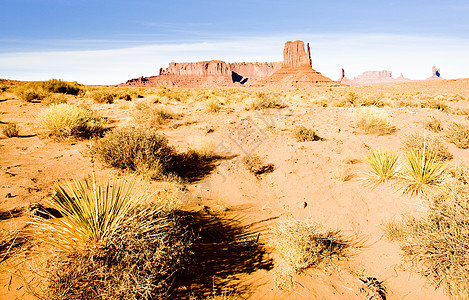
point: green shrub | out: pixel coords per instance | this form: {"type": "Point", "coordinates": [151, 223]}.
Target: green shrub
{"type": "Point", "coordinates": [66, 120]}
{"type": "Point", "coordinates": [431, 145]}
{"type": "Point", "coordinates": [136, 149]}
{"type": "Point", "coordinates": [304, 134]}
{"type": "Point", "coordinates": [10, 130]}
{"type": "Point", "coordinates": [458, 134]}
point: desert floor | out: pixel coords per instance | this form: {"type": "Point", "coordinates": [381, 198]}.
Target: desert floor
{"type": "Point", "coordinates": [319, 181]}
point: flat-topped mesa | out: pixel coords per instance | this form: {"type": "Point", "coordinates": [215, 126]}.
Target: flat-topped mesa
{"type": "Point", "coordinates": [294, 55]}
{"type": "Point", "coordinates": [202, 68]}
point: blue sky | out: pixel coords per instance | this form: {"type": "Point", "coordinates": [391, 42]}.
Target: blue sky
{"type": "Point", "coordinates": [107, 42]}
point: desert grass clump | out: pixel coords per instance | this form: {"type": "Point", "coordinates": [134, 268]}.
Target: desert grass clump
{"type": "Point", "coordinates": [373, 121]}
{"type": "Point", "coordinates": [67, 120]}
{"type": "Point", "coordinates": [458, 134]}
{"type": "Point", "coordinates": [102, 96]}
{"type": "Point", "coordinates": [303, 245]}
{"type": "Point", "coordinates": [434, 104]}
{"type": "Point", "coordinates": [256, 165]}
{"type": "Point", "coordinates": [54, 99]}
{"type": "Point", "coordinates": [10, 130]}
{"type": "Point", "coordinates": [438, 241]}
{"type": "Point", "coordinates": [110, 244]}
{"type": "Point", "coordinates": [431, 145]}
{"type": "Point", "coordinates": [422, 173]}
{"type": "Point", "coordinates": [202, 147]}
{"type": "Point", "coordinates": [136, 149]}
{"type": "Point", "coordinates": [263, 101]}
{"type": "Point", "coordinates": [433, 124]}
{"type": "Point", "coordinates": [383, 166]}
{"type": "Point", "coordinates": [149, 116]}
{"type": "Point", "coordinates": [30, 92]}
{"type": "Point", "coordinates": [213, 105]}
{"type": "Point", "coordinates": [305, 134]}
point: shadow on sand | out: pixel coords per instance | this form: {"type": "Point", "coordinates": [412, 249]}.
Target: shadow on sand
{"type": "Point", "coordinates": [224, 252]}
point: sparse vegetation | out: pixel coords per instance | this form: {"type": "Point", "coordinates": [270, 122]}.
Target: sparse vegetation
{"type": "Point", "coordinates": [438, 242]}
{"type": "Point", "coordinates": [303, 245]}
{"type": "Point", "coordinates": [38, 90]}
{"type": "Point", "coordinates": [429, 144]}
{"type": "Point", "coordinates": [383, 164]}
{"type": "Point", "coordinates": [213, 105]}
{"type": "Point", "coordinates": [67, 120]}
{"type": "Point", "coordinates": [136, 149]}
{"type": "Point", "coordinates": [422, 172]}
{"type": "Point", "coordinates": [54, 99]}
{"type": "Point", "coordinates": [59, 86]}
{"type": "Point", "coordinates": [10, 130]}
{"type": "Point", "coordinates": [304, 134]}
{"type": "Point", "coordinates": [256, 165]}
{"type": "Point", "coordinates": [373, 121]}
{"type": "Point", "coordinates": [102, 96]}
{"type": "Point", "coordinates": [458, 134]}
{"type": "Point", "coordinates": [263, 100]}
{"type": "Point", "coordinates": [152, 116]}
{"type": "Point", "coordinates": [202, 147]}
{"type": "Point", "coordinates": [110, 244]}
{"type": "Point", "coordinates": [433, 124]}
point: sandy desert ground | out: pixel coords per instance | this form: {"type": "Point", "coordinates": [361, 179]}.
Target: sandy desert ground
{"type": "Point", "coordinates": [320, 180]}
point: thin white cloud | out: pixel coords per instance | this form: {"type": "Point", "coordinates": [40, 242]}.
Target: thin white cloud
{"type": "Point", "coordinates": [411, 55]}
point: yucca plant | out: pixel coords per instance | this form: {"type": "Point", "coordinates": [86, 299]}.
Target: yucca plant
{"type": "Point", "coordinates": [422, 171]}
{"type": "Point", "coordinates": [92, 213]}
{"type": "Point", "coordinates": [383, 164]}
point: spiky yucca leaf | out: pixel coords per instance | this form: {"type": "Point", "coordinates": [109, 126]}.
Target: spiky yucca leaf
{"type": "Point", "coordinates": [421, 172]}
{"type": "Point", "coordinates": [383, 164]}
{"type": "Point", "coordinates": [91, 213]}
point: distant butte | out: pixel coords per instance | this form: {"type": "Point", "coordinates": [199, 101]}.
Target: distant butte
{"type": "Point", "coordinates": [295, 71]}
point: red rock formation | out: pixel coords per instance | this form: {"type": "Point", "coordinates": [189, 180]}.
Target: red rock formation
{"type": "Point", "coordinates": [214, 73]}
{"type": "Point", "coordinates": [296, 70]}
{"type": "Point", "coordinates": [294, 55]}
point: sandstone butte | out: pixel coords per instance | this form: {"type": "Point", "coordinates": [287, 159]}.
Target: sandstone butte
{"type": "Point", "coordinates": [295, 71]}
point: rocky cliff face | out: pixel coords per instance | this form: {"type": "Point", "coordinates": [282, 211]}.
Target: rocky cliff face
{"type": "Point", "coordinates": [214, 73]}
{"type": "Point", "coordinates": [294, 55]}
{"type": "Point", "coordinates": [296, 70]}
{"type": "Point", "coordinates": [202, 68]}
